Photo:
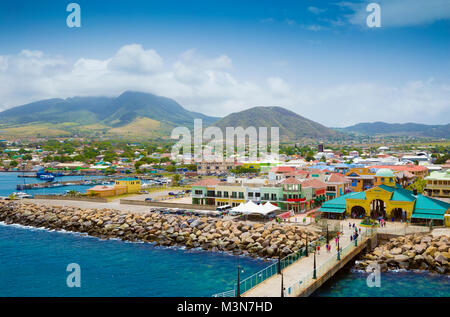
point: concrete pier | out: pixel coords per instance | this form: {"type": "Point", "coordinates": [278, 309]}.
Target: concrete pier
{"type": "Point", "coordinates": [298, 278]}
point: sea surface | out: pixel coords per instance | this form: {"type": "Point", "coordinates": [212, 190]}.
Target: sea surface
{"type": "Point", "coordinates": [9, 181]}
{"type": "Point", "coordinates": [33, 262]}
{"type": "Point", "coordinates": [351, 283]}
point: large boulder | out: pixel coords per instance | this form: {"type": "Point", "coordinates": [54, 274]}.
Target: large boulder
{"type": "Point", "coordinates": [401, 258]}
{"type": "Point", "coordinates": [396, 251]}
{"type": "Point", "coordinates": [420, 248]}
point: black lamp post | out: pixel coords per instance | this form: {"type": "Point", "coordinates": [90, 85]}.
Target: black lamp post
{"type": "Point", "coordinates": [328, 239]}
{"type": "Point", "coordinates": [279, 264]}
{"type": "Point", "coordinates": [306, 250]}
{"type": "Point", "coordinates": [338, 249]}
{"type": "Point", "coordinates": [314, 272]}
{"type": "Point", "coordinates": [238, 289]}
{"type": "Point", "coordinates": [282, 286]}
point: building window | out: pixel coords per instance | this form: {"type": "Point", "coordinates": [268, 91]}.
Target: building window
{"type": "Point", "coordinates": [225, 194]}
{"type": "Point", "coordinates": [250, 194]}
{"type": "Point", "coordinates": [241, 195]}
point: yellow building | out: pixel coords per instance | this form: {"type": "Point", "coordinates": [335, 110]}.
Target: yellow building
{"type": "Point", "coordinates": [361, 178]}
{"type": "Point", "coordinates": [232, 195]}
{"type": "Point", "coordinates": [390, 201]}
{"type": "Point", "coordinates": [438, 184]}
{"type": "Point", "coordinates": [106, 191]}
{"type": "Point", "coordinates": [132, 185]}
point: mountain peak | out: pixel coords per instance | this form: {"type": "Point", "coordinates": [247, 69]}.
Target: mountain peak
{"type": "Point", "coordinates": [291, 125]}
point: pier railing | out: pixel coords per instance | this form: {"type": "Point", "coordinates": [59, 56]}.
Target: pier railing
{"type": "Point", "coordinates": [308, 278]}
{"type": "Point", "coordinates": [273, 269]}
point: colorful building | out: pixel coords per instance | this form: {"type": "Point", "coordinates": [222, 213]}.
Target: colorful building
{"type": "Point", "coordinates": [288, 195]}
{"type": "Point", "coordinates": [438, 184]}
{"type": "Point", "coordinates": [390, 201]}
{"type": "Point", "coordinates": [293, 197]}
{"type": "Point", "coordinates": [200, 191]}
{"type": "Point", "coordinates": [106, 191]}
{"type": "Point", "coordinates": [361, 178]}
{"type": "Point", "coordinates": [416, 170]}
{"type": "Point", "coordinates": [132, 185]}
{"type": "Point", "coordinates": [229, 194]}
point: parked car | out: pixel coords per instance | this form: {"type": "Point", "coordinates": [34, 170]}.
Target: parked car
{"type": "Point", "coordinates": [148, 199]}
{"type": "Point", "coordinates": [172, 194]}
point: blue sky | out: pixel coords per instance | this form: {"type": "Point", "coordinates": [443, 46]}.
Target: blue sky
{"type": "Point", "coordinates": [318, 58]}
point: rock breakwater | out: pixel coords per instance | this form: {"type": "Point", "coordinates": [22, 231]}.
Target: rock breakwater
{"type": "Point", "coordinates": [416, 251]}
{"type": "Point", "coordinates": [255, 239]}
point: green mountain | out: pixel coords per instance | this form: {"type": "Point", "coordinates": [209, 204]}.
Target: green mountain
{"type": "Point", "coordinates": [292, 126]}
{"type": "Point", "coordinates": [101, 115]}
{"type": "Point", "coordinates": [400, 129]}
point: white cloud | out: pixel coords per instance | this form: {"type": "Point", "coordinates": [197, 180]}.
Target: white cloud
{"type": "Point", "coordinates": [135, 59]}
{"type": "Point", "coordinates": [396, 13]}
{"type": "Point", "coordinates": [314, 27]}
{"type": "Point", "coordinates": [316, 10]}
{"type": "Point", "coordinates": [208, 85]}
{"type": "Point", "coordinates": [278, 86]}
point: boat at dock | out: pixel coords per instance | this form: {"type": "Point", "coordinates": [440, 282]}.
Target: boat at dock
{"type": "Point", "coordinates": [47, 177]}
{"type": "Point", "coordinates": [21, 195]}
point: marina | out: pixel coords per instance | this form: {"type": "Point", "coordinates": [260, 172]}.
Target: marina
{"type": "Point", "coordinates": [11, 182]}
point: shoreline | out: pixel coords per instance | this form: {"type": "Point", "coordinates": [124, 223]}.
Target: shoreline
{"type": "Point", "coordinates": [152, 244]}
{"type": "Point", "coordinates": [264, 241]}
{"type": "Point", "coordinates": [418, 251]}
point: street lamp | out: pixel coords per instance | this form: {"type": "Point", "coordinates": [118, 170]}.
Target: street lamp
{"type": "Point", "coordinates": [238, 289]}
{"type": "Point", "coordinates": [282, 285]}
{"type": "Point", "coordinates": [338, 249]}
{"type": "Point", "coordinates": [328, 239]}
{"type": "Point", "coordinates": [306, 253]}
{"type": "Point", "coordinates": [314, 272]}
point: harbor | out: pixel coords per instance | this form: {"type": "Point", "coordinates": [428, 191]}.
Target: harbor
{"type": "Point", "coordinates": [10, 182]}
{"type": "Point", "coordinates": [100, 181]}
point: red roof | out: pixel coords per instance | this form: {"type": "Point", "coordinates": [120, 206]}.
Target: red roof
{"type": "Point", "coordinates": [337, 178]}
{"type": "Point", "coordinates": [207, 182]}
{"type": "Point", "coordinates": [282, 169]}
{"type": "Point", "coordinates": [409, 168]}
{"type": "Point", "coordinates": [291, 180]}
{"type": "Point", "coordinates": [314, 183]}
{"type": "Point", "coordinates": [101, 188]}
{"type": "Point", "coordinates": [296, 173]}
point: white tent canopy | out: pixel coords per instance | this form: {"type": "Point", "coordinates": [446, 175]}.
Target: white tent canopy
{"type": "Point", "coordinates": [251, 208]}
{"type": "Point", "coordinates": [240, 208]}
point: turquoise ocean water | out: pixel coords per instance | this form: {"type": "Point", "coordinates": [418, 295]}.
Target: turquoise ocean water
{"type": "Point", "coordinates": [33, 262]}
{"type": "Point", "coordinates": [9, 181]}
{"type": "Point", "coordinates": [351, 283]}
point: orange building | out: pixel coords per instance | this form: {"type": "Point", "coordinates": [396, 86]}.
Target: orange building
{"type": "Point", "coordinates": [416, 170]}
